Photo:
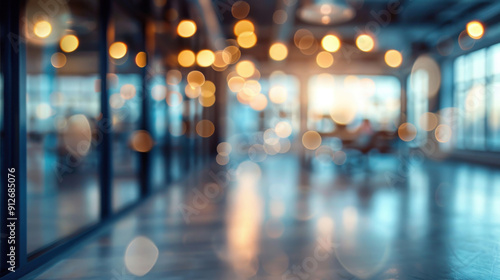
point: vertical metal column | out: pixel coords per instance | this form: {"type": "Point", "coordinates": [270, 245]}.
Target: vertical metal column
{"type": "Point", "coordinates": [145, 158]}
{"type": "Point", "coordinates": [105, 123]}
{"type": "Point", "coordinates": [13, 192]}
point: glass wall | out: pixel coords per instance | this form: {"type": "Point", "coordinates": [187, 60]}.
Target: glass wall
{"type": "Point", "coordinates": [62, 110]}
{"type": "Point", "coordinates": [125, 89]}
{"type": "Point", "coordinates": [476, 84]}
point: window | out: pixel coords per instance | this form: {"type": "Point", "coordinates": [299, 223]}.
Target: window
{"type": "Point", "coordinates": [349, 100]}
{"type": "Point", "coordinates": [476, 80]}
{"type": "Point", "coordinates": [418, 102]}
{"type": "Point", "coordinates": [62, 110]}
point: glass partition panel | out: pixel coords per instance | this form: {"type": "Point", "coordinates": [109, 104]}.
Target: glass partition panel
{"type": "Point", "coordinates": [62, 110]}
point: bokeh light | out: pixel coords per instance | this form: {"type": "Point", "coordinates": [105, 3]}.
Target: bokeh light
{"type": "Point", "coordinates": [224, 148]}
{"type": "Point", "coordinates": [141, 59]}
{"type": "Point", "coordinates": [186, 28]}
{"type": "Point", "coordinates": [58, 60]}
{"type": "Point", "coordinates": [195, 78]}
{"type": "Point", "coordinates": [330, 43]}
{"type": "Point", "coordinates": [186, 58]}
{"type": "Point", "coordinates": [243, 26]}
{"type": "Point", "coordinates": [283, 129]}
{"type": "Point", "coordinates": [205, 128]}
{"type": "Point", "coordinates": [236, 84]}
{"type": "Point", "coordinates": [311, 140]}
{"type": "Point", "coordinates": [234, 54]}
{"type": "Point", "coordinates": [192, 92]}
{"type": "Point", "coordinates": [69, 43]}
{"type": "Point", "coordinates": [247, 40]}
{"type": "Point", "coordinates": [240, 9]}
{"type": "Point", "coordinates": [245, 68]}
{"type": "Point", "coordinates": [280, 16]}
{"type": "Point", "coordinates": [475, 29]}
{"type": "Point", "coordinates": [205, 58]}
{"type": "Point", "coordinates": [206, 101]}
{"type": "Point", "coordinates": [324, 59]}
{"type": "Point", "coordinates": [42, 29]}
{"type": "Point", "coordinates": [278, 51]}
{"type": "Point", "coordinates": [141, 255]}
{"type": "Point", "coordinates": [141, 141]}
{"type": "Point", "coordinates": [158, 92]}
{"type": "Point", "coordinates": [428, 121]}
{"type": "Point", "coordinates": [407, 132]}
{"type": "Point", "coordinates": [393, 58]}
{"type": "Point", "coordinates": [365, 43]}
{"type": "Point", "coordinates": [127, 91]}
{"type": "Point", "coordinates": [258, 102]}
{"type": "Point", "coordinates": [117, 50]}
{"type": "Point", "coordinates": [174, 77]}
{"type": "Point", "coordinates": [278, 94]}
{"type": "Point", "coordinates": [443, 133]}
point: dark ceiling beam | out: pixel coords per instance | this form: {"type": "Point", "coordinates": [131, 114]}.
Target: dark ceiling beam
{"type": "Point", "coordinates": [452, 30]}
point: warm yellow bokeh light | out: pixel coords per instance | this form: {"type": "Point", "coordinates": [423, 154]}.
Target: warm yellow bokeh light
{"type": "Point", "coordinates": [258, 102]}
{"type": "Point", "coordinates": [278, 94]}
{"type": "Point", "coordinates": [221, 58]}
{"type": "Point", "coordinates": [278, 51]}
{"type": "Point", "coordinates": [245, 68]}
{"type": "Point", "coordinates": [192, 92]}
{"type": "Point", "coordinates": [365, 43]}
{"type": "Point", "coordinates": [243, 26]}
{"type": "Point", "coordinates": [141, 141]}
{"type": "Point", "coordinates": [236, 84]}
{"type": "Point", "coordinates": [247, 40]}
{"type": "Point", "coordinates": [311, 140]}
{"type": "Point", "coordinates": [324, 59]}
{"type": "Point", "coordinates": [42, 29]}
{"type": "Point", "coordinates": [58, 60]}
{"type": "Point", "coordinates": [443, 133]}
{"type": "Point", "coordinates": [207, 89]}
{"type": "Point", "coordinates": [186, 28]}
{"type": "Point", "coordinates": [195, 79]}
{"type": "Point", "coordinates": [117, 50]}
{"type": "Point", "coordinates": [205, 128]}
{"type": "Point", "coordinates": [393, 58]}
{"type": "Point", "coordinates": [69, 43]}
{"type": "Point", "coordinates": [206, 101]}
{"type": "Point", "coordinates": [283, 129]}
{"type": "Point", "coordinates": [475, 29]}
{"type": "Point", "coordinates": [407, 132]}
{"type": "Point", "coordinates": [186, 58]}
{"type": "Point", "coordinates": [141, 59]}
{"type": "Point", "coordinates": [330, 43]}
{"type": "Point", "coordinates": [253, 85]}
{"type": "Point", "coordinates": [234, 54]}
{"type": "Point", "coordinates": [205, 58]}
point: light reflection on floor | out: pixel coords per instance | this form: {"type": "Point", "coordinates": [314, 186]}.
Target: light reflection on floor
{"type": "Point", "coordinates": [436, 220]}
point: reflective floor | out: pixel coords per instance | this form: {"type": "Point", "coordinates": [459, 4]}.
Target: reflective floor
{"type": "Point", "coordinates": [388, 218]}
